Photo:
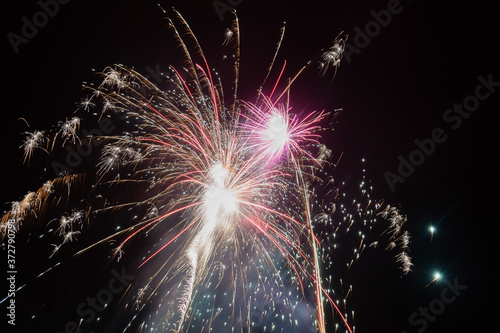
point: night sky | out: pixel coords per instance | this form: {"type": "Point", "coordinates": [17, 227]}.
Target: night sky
{"type": "Point", "coordinates": [395, 88]}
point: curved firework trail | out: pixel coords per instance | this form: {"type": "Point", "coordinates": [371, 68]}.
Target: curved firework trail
{"type": "Point", "coordinates": [230, 188]}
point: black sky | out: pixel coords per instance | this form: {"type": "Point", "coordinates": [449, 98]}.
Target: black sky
{"type": "Point", "coordinates": [393, 91]}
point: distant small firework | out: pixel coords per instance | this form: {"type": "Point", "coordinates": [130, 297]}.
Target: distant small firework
{"type": "Point", "coordinates": [231, 199]}
{"type": "Point", "coordinates": [432, 230]}
{"type": "Point", "coordinates": [332, 57]}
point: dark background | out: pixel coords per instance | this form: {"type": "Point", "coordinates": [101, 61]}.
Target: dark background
{"type": "Point", "coordinates": [393, 92]}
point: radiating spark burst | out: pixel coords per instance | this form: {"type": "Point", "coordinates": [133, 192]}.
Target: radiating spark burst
{"type": "Point", "coordinates": [69, 129]}
{"type": "Point", "coordinates": [235, 195]}
{"type": "Point", "coordinates": [276, 132]}
{"type": "Point", "coordinates": [33, 141]}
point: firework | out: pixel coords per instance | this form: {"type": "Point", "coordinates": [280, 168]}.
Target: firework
{"type": "Point", "coordinates": [225, 195]}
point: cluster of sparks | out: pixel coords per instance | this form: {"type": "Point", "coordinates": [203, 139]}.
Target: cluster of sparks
{"type": "Point", "coordinates": [230, 190]}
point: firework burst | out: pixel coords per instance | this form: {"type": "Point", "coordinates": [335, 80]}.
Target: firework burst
{"type": "Point", "coordinates": [226, 196]}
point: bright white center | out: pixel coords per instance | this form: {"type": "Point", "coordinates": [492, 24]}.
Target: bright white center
{"type": "Point", "coordinates": [219, 174]}
{"type": "Point", "coordinates": [218, 197]}
{"type": "Point", "coordinates": [276, 131]}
